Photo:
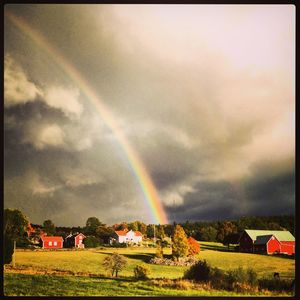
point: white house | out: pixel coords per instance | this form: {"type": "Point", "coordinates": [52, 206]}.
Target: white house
{"type": "Point", "coordinates": [122, 236]}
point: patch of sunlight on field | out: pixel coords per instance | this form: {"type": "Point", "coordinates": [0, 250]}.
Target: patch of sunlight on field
{"type": "Point", "coordinates": [90, 261]}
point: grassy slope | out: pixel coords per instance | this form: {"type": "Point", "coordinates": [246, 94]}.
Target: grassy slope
{"type": "Point", "coordinates": [37, 285]}
{"type": "Point", "coordinates": [90, 261]}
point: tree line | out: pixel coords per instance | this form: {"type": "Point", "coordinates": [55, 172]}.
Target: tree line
{"type": "Point", "coordinates": [17, 225]}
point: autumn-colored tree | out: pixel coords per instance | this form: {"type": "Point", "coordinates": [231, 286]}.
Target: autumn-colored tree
{"type": "Point", "coordinates": [114, 263]}
{"type": "Point", "coordinates": [180, 245]}
{"type": "Point", "coordinates": [194, 246]}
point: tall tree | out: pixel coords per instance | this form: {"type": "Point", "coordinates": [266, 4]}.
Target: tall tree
{"type": "Point", "coordinates": [160, 234]}
{"type": "Point", "coordinates": [180, 246]}
{"type": "Point", "coordinates": [15, 226]}
{"type": "Point", "coordinates": [91, 226]}
{"type": "Point", "coordinates": [224, 229]}
{"type": "Point", "coordinates": [49, 227]}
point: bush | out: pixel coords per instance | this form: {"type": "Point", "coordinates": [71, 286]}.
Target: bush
{"type": "Point", "coordinates": [91, 242]}
{"type": "Point", "coordinates": [141, 271]}
{"type": "Point", "coordinates": [276, 284]}
{"type": "Point", "coordinates": [217, 278]}
{"type": "Point", "coordinates": [116, 244]}
{"type": "Point", "coordinates": [198, 272]}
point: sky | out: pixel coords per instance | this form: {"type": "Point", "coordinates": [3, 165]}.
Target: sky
{"type": "Point", "coordinates": [203, 94]}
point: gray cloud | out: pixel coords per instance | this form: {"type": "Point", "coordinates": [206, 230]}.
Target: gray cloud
{"type": "Point", "coordinates": [203, 112]}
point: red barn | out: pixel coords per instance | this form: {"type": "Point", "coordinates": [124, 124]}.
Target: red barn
{"type": "Point", "coordinates": [52, 242]}
{"type": "Point", "coordinates": [267, 241]}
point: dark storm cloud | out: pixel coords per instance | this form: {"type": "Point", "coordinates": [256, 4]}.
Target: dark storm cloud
{"type": "Point", "coordinates": [202, 113]}
{"type": "Point", "coordinates": [270, 190]}
{"type": "Point", "coordinates": [209, 201]}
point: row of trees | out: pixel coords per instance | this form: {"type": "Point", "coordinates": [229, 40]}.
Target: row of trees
{"type": "Point", "coordinates": [227, 232]}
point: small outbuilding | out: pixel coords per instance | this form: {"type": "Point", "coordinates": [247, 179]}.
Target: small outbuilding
{"type": "Point", "coordinates": [74, 240]}
{"type": "Point", "coordinates": [52, 242]}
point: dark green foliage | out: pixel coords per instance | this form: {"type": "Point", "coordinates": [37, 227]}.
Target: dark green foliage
{"type": "Point", "coordinates": [217, 278]}
{"type": "Point", "coordinates": [49, 227]}
{"type": "Point", "coordinates": [91, 226]}
{"type": "Point", "coordinates": [8, 249]}
{"type": "Point", "coordinates": [198, 272]}
{"type": "Point", "coordinates": [276, 284]}
{"type": "Point", "coordinates": [141, 272]}
{"type": "Point", "coordinates": [15, 223]}
{"type": "Point", "coordinates": [15, 226]}
{"type": "Point", "coordinates": [116, 244]}
{"type": "Point", "coordinates": [92, 242]}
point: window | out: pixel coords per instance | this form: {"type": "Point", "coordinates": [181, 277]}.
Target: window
{"type": "Point", "coordinates": [50, 243]}
{"type": "Point", "coordinates": [55, 243]}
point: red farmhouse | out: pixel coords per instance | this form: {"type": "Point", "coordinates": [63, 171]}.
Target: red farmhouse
{"type": "Point", "coordinates": [75, 240]}
{"type": "Point", "coordinates": [52, 242]}
{"type": "Point", "coordinates": [267, 242]}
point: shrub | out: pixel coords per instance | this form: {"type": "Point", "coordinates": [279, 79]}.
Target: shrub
{"type": "Point", "coordinates": [198, 272]}
{"type": "Point", "coordinates": [217, 277]}
{"type": "Point", "coordinates": [141, 271]}
{"type": "Point", "coordinates": [116, 244]}
{"type": "Point", "coordinates": [276, 284]}
{"type": "Point", "coordinates": [91, 242]}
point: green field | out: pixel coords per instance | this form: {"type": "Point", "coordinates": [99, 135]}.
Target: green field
{"type": "Point", "coordinates": [87, 263]}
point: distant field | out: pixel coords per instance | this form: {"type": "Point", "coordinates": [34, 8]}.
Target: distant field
{"type": "Point", "coordinates": [88, 262]}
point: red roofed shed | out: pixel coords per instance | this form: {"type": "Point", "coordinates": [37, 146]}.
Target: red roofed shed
{"type": "Point", "coordinates": [52, 242]}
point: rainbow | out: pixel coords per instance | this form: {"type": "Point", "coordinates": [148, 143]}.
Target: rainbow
{"type": "Point", "coordinates": [139, 169]}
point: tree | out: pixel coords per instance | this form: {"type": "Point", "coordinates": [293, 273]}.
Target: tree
{"type": "Point", "coordinates": [208, 234]}
{"type": "Point", "coordinates": [49, 227]}
{"type": "Point", "coordinates": [15, 226]}
{"type": "Point", "coordinates": [114, 263]}
{"type": "Point", "coordinates": [15, 223]}
{"type": "Point", "coordinates": [91, 226]}
{"type": "Point", "coordinates": [159, 251]}
{"type": "Point", "coordinates": [160, 234]}
{"type": "Point", "coordinates": [225, 228]}
{"type": "Point", "coordinates": [180, 246]}
{"type": "Point", "coordinates": [194, 246]}
{"type": "Point", "coordinates": [134, 226]}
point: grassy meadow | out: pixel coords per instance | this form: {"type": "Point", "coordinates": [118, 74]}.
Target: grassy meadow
{"type": "Point", "coordinates": [92, 279]}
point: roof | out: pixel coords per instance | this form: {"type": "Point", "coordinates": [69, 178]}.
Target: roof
{"type": "Point", "coordinates": [124, 233]}
{"type": "Point", "coordinates": [281, 235]}
{"type": "Point", "coordinates": [121, 232]}
{"type": "Point", "coordinates": [52, 238]}
{"type": "Point", "coordinates": [262, 239]}
{"type": "Point", "coordinates": [71, 235]}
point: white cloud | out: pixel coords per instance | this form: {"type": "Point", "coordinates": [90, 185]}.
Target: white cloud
{"type": "Point", "coordinates": [65, 100]}
{"type": "Point", "coordinates": [17, 87]}
{"type": "Point", "coordinates": [44, 136]}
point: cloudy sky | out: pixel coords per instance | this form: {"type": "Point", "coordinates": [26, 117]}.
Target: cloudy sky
{"type": "Point", "coordinates": [204, 94]}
